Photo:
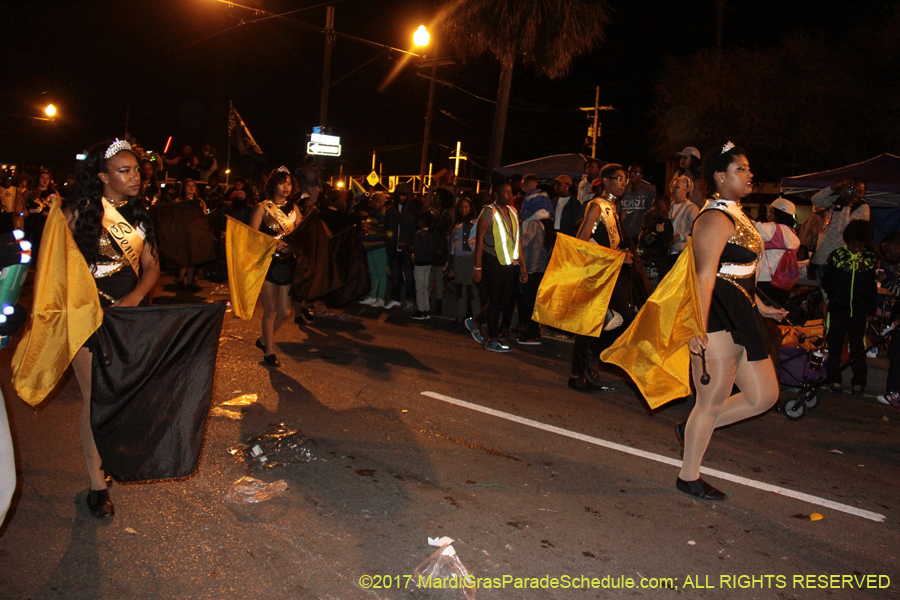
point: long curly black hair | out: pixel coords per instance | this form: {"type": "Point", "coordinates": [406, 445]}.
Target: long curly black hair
{"type": "Point", "coordinates": [85, 202]}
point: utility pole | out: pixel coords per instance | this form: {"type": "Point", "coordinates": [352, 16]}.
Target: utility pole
{"type": "Point", "coordinates": [326, 66]}
{"type": "Point", "coordinates": [326, 81]}
{"type": "Point", "coordinates": [424, 160]}
{"type": "Point", "coordinates": [720, 23]}
{"type": "Point", "coordinates": [434, 64]}
{"type": "Point", "coordinates": [594, 131]}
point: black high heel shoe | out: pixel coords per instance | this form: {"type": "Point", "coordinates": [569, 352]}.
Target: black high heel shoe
{"type": "Point", "coordinates": [260, 345]}
{"type": "Point", "coordinates": [100, 504]}
{"type": "Point", "coordinates": [699, 489]}
{"type": "Point", "coordinates": [272, 360]}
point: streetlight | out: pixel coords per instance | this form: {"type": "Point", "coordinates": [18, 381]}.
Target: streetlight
{"type": "Point", "coordinates": [50, 111]}
{"type": "Point", "coordinates": [421, 36]}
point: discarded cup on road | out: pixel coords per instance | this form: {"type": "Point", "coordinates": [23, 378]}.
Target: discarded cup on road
{"type": "Point", "coordinates": [248, 490]}
{"type": "Point", "coordinates": [444, 570]}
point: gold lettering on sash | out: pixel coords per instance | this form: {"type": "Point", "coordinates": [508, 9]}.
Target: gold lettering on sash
{"type": "Point", "coordinates": [286, 224]}
{"type": "Point", "coordinates": [123, 234]}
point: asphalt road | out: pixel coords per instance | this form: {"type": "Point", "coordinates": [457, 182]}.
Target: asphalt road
{"type": "Point", "coordinates": [393, 467]}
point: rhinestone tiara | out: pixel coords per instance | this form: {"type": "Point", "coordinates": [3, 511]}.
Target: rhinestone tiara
{"type": "Point", "coordinates": [283, 169]}
{"type": "Point", "coordinates": [116, 147]}
{"type": "Point", "coordinates": [727, 147]}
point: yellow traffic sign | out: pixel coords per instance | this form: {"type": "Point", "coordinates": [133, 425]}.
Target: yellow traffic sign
{"type": "Point", "coordinates": [373, 178]}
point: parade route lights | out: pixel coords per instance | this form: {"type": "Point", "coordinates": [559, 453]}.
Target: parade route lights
{"type": "Point", "coordinates": [50, 111]}
{"type": "Point", "coordinates": [324, 145]}
{"type": "Point", "coordinates": [421, 36]}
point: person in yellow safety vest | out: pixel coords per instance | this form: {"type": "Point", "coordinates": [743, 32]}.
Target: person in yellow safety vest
{"type": "Point", "coordinates": [498, 256]}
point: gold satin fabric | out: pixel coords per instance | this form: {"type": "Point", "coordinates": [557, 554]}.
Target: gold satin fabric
{"type": "Point", "coordinates": [65, 314]}
{"type": "Point", "coordinates": [653, 350]}
{"type": "Point", "coordinates": [577, 286]}
{"type": "Point", "coordinates": [249, 254]}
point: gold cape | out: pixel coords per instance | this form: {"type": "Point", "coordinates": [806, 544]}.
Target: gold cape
{"type": "Point", "coordinates": [577, 286]}
{"type": "Point", "coordinates": [249, 254]}
{"type": "Point", "coordinates": [653, 350]}
{"type": "Point", "coordinates": [66, 312]}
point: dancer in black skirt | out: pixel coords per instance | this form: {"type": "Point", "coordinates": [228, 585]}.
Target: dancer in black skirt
{"type": "Point", "coordinates": [727, 248]}
{"type": "Point", "coordinates": [123, 260]}
{"type": "Point", "coordinates": [276, 216]}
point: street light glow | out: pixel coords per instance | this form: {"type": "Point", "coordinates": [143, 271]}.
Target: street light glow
{"type": "Point", "coordinates": [421, 36]}
{"type": "Point", "coordinates": [50, 110]}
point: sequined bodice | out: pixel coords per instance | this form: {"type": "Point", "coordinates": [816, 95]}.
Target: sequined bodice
{"type": "Point", "coordinates": [739, 258]}
{"type": "Point", "coordinates": [271, 223]}
{"type": "Point", "coordinates": [111, 256]}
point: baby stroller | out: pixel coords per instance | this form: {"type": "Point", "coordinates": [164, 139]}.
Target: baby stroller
{"type": "Point", "coordinates": [808, 373]}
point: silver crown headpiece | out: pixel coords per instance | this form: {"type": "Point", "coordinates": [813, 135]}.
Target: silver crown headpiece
{"type": "Point", "coordinates": [116, 147]}
{"type": "Point", "coordinates": [283, 169]}
{"type": "Point", "coordinates": [727, 147]}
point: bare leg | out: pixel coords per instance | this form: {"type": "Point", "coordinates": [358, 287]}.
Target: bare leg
{"type": "Point", "coordinates": [270, 307]}
{"type": "Point", "coordinates": [759, 392]}
{"type": "Point", "coordinates": [81, 364]}
{"type": "Point", "coordinates": [722, 357]}
{"type": "Point", "coordinates": [282, 306]}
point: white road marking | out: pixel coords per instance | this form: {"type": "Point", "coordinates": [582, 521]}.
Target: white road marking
{"type": "Point", "coordinates": [852, 510]}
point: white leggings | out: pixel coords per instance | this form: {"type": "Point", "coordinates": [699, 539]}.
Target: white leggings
{"type": "Point", "coordinates": [727, 365]}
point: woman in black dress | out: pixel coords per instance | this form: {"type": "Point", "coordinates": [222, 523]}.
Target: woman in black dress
{"type": "Point", "coordinates": [727, 248]}
{"type": "Point", "coordinates": [276, 216]}
{"type": "Point", "coordinates": [124, 264]}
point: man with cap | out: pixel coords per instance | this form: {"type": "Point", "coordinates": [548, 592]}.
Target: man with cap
{"type": "Point", "coordinates": [779, 237]}
{"type": "Point", "coordinates": [689, 166]}
{"type": "Point", "coordinates": [400, 227]}
{"type": "Point", "coordinates": [568, 210]}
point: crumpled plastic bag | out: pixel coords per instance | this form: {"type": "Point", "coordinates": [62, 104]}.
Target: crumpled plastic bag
{"type": "Point", "coordinates": [275, 447]}
{"type": "Point", "coordinates": [445, 565]}
{"type": "Point", "coordinates": [248, 490]}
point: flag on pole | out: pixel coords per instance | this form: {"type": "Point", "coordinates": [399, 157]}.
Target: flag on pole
{"type": "Point", "coordinates": [653, 350]}
{"type": "Point", "coordinates": [248, 254]}
{"type": "Point", "coordinates": [356, 188]}
{"type": "Point", "coordinates": [65, 314]}
{"type": "Point", "coordinates": [239, 135]}
{"type": "Point", "coordinates": [576, 288]}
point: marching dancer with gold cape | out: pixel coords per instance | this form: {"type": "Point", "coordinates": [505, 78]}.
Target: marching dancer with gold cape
{"type": "Point", "coordinates": [729, 346]}
{"type": "Point", "coordinates": [260, 263]}
{"type": "Point", "coordinates": [586, 278]}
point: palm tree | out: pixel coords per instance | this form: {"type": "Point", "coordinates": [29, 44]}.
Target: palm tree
{"type": "Point", "coordinates": [546, 34]}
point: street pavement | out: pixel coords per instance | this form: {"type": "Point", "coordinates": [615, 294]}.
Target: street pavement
{"type": "Point", "coordinates": [393, 467]}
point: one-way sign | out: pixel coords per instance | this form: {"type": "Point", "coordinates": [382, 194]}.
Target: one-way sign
{"type": "Point", "coordinates": [323, 149]}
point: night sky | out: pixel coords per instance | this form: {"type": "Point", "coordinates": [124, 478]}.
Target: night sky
{"type": "Point", "coordinates": [174, 65]}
